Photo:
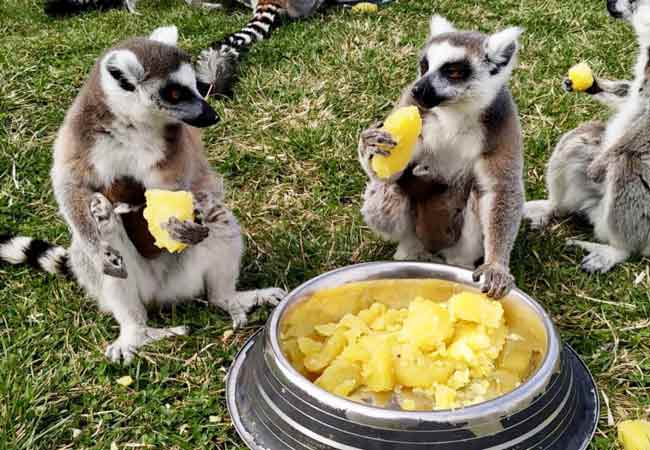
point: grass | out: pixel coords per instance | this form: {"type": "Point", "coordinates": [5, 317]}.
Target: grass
{"type": "Point", "coordinates": [287, 148]}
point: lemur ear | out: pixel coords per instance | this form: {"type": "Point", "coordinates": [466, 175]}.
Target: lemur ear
{"type": "Point", "coordinates": [501, 47]}
{"type": "Point", "coordinates": [166, 35]}
{"type": "Point", "coordinates": [125, 68]}
{"type": "Point", "coordinates": [440, 25]}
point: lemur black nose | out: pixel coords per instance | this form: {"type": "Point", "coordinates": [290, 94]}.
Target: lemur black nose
{"type": "Point", "coordinates": [425, 94]}
{"type": "Point", "coordinates": [207, 117]}
{"type": "Point", "coordinates": [611, 7]}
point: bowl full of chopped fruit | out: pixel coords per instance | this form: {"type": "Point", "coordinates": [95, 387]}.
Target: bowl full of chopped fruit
{"type": "Point", "coordinates": [409, 356]}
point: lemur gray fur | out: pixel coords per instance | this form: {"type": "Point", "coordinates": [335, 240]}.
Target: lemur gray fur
{"type": "Point", "coordinates": [131, 128]}
{"type": "Point", "coordinates": [601, 171]}
{"type": "Point", "coordinates": [462, 196]}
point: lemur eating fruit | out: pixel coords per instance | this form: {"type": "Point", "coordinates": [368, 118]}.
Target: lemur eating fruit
{"type": "Point", "coordinates": [131, 128]}
{"type": "Point", "coordinates": [461, 196]}
{"type": "Point", "coordinates": [602, 171]}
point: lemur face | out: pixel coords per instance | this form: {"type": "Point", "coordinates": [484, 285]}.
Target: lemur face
{"type": "Point", "coordinates": [153, 81]}
{"type": "Point", "coordinates": [625, 9]}
{"type": "Point", "coordinates": [463, 67]}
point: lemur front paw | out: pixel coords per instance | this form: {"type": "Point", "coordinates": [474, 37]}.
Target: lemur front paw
{"type": "Point", "coordinates": [497, 280]}
{"type": "Point", "coordinates": [187, 232]}
{"type": "Point", "coordinates": [210, 209]}
{"type": "Point", "coordinates": [112, 262]}
{"type": "Point", "coordinates": [375, 141]}
{"type": "Point", "coordinates": [101, 210]}
{"type": "Point", "coordinates": [567, 85]}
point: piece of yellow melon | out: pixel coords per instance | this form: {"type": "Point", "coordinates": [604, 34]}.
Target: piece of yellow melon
{"type": "Point", "coordinates": [161, 206]}
{"type": "Point", "coordinates": [478, 308]}
{"type": "Point", "coordinates": [405, 125]}
{"type": "Point", "coordinates": [634, 434]}
{"type": "Point", "coordinates": [341, 377]}
{"type": "Point", "coordinates": [427, 326]}
{"type": "Point", "coordinates": [581, 77]}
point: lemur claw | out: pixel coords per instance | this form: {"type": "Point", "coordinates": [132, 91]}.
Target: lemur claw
{"type": "Point", "coordinates": [375, 141]}
{"type": "Point", "coordinates": [497, 280]}
{"type": "Point", "coordinates": [187, 232]}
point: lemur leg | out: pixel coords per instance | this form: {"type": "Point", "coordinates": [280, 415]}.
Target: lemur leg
{"type": "Point", "coordinates": [122, 297]}
{"type": "Point", "coordinates": [611, 93]}
{"type": "Point", "coordinates": [601, 257]}
{"type": "Point", "coordinates": [387, 211]}
{"type": "Point", "coordinates": [571, 188]}
{"type": "Point", "coordinates": [225, 243]}
{"type": "Point", "coordinates": [130, 6]}
{"type": "Point", "coordinates": [469, 248]}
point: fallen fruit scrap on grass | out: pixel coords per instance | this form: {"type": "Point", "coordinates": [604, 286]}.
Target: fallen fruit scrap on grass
{"type": "Point", "coordinates": [634, 434]}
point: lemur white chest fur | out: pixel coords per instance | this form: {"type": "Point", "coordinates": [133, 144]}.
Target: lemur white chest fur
{"type": "Point", "coordinates": [451, 142]}
{"type": "Point", "coordinates": [128, 150]}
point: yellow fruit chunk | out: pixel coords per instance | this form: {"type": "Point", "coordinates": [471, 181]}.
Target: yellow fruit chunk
{"type": "Point", "coordinates": [515, 357]}
{"type": "Point", "coordinates": [634, 434]}
{"type": "Point", "coordinates": [309, 346]}
{"type": "Point", "coordinates": [405, 125]}
{"type": "Point", "coordinates": [581, 77]}
{"type": "Point", "coordinates": [125, 381]}
{"type": "Point", "coordinates": [445, 397]}
{"type": "Point", "coordinates": [427, 326]}
{"type": "Point", "coordinates": [330, 350]}
{"type": "Point", "coordinates": [476, 308]}
{"type": "Point", "coordinates": [341, 377]}
{"type": "Point", "coordinates": [415, 369]}
{"type": "Point", "coordinates": [379, 372]}
{"type": "Point", "coordinates": [365, 7]}
{"type": "Point", "coordinates": [162, 206]}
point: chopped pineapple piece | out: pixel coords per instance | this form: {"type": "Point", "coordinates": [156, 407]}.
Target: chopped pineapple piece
{"type": "Point", "coordinates": [379, 372]}
{"type": "Point", "coordinates": [162, 206]}
{"type": "Point", "coordinates": [581, 77]}
{"type": "Point", "coordinates": [365, 7]}
{"type": "Point", "coordinates": [309, 346]}
{"type": "Point", "coordinates": [331, 349]}
{"type": "Point", "coordinates": [515, 357]}
{"type": "Point", "coordinates": [477, 308]}
{"type": "Point", "coordinates": [341, 377]}
{"type": "Point", "coordinates": [445, 397]}
{"type": "Point", "coordinates": [428, 325]}
{"type": "Point", "coordinates": [405, 125]}
{"type": "Point", "coordinates": [634, 434]}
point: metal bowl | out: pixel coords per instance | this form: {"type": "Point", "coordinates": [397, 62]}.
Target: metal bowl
{"type": "Point", "coordinates": [273, 407]}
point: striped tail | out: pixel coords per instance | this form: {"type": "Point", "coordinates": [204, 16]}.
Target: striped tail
{"type": "Point", "coordinates": [56, 8]}
{"type": "Point", "coordinates": [38, 254]}
{"type": "Point", "coordinates": [217, 66]}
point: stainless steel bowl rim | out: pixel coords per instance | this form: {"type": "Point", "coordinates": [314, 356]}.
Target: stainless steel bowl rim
{"type": "Point", "coordinates": [498, 407]}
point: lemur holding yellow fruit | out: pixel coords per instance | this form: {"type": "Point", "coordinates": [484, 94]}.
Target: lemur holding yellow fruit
{"type": "Point", "coordinates": [131, 132]}
{"type": "Point", "coordinates": [601, 171]}
{"type": "Point", "coordinates": [460, 194]}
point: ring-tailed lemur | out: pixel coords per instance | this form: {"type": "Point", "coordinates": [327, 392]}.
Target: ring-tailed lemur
{"type": "Point", "coordinates": [222, 57]}
{"type": "Point", "coordinates": [131, 128]}
{"type": "Point", "coordinates": [461, 196]}
{"type": "Point", "coordinates": [602, 170]}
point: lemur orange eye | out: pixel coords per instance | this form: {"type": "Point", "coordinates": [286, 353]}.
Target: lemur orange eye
{"type": "Point", "coordinates": [457, 71]}
{"type": "Point", "coordinates": [174, 94]}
